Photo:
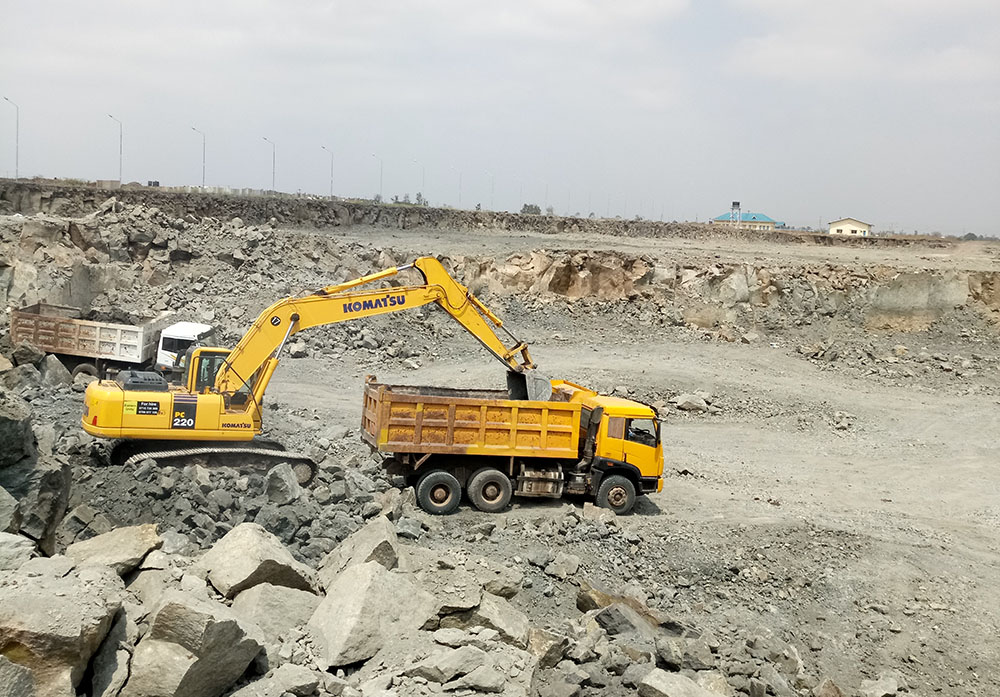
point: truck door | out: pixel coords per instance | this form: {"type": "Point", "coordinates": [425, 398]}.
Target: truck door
{"type": "Point", "coordinates": [641, 439]}
{"type": "Point", "coordinates": [611, 444]}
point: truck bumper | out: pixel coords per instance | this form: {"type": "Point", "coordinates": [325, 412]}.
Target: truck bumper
{"type": "Point", "coordinates": [651, 484]}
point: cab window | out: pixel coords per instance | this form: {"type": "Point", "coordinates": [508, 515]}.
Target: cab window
{"type": "Point", "coordinates": [616, 427]}
{"type": "Point", "coordinates": [643, 431]}
{"type": "Point", "coordinates": [208, 366]}
{"type": "Point", "coordinates": [172, 345]}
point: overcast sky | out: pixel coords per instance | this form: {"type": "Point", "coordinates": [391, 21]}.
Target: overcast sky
{"type": "Point", "coordinates": [884, 110]}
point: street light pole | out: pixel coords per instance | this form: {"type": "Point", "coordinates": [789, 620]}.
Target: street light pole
{"type": "Point", "coordinates": [121, 139]}
{"type": "Point", "coordinates": [17, 137]}
{"type": "Point", "coordinates": [274, 157]}
{"type": "Point", "coordinates": [331, 169]}
{"type": "Point", "coordinates": [380, 170]}
{"type": "Point", "coordinates": [202, 156]}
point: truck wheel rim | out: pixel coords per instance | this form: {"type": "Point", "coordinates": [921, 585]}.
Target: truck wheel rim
{"type": "Point", "coordinates": [440, 494]}
{"type": "Point", "coordinates": [491, 492]}
{"type": "Point", "coordinates": [617, 496]}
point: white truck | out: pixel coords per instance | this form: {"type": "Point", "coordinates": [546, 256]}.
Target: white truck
{"type": "Point", "coordinates": [98, 348]}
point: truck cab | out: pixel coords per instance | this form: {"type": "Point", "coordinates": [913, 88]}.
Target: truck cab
{"type": "Point", "coordinates": [627, 440]}
{"type": "Point", "coordinates": [175, 341]}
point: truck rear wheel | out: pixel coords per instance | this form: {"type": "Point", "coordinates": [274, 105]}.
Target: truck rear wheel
{"type": "Point", "coordinates": [490, 490]}
{"type": "Point", "coordinates": [617, 493]}
{"type": "Point", "coordinates": [439, 493]}
{"type": "Point", "coordinates": [85, 369]}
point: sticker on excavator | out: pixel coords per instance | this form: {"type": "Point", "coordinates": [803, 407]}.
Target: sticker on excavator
{"type": "Point", "coordinates": [185, 410]}
{"type": "Point", "coordinates": [141, 408]}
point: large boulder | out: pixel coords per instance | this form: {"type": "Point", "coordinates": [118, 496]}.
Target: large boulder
{"type": "Point", "coordinates": [121, 549]}
{"type": "Point", "coordinates": [52, 621]}
{"type": "Point", "coordinates": [15, 679]}
{"type": "Point", "coordinates": [194, 648]}
{"type": "Point", "coordinates": [10, 512]}
{"type": "Point", "coordinates": [110, 666]}
{"type": "Point", "coordinates": [42, 489]}
{"type": "Point", "coordinates": [15, 550]}
{"type": "Point", "coordinates": [54, 373]}
{"type": "Point", "coordinates": [275, 609]}
{"type": "Point", "coordinates": [494, 613]}
{"type": "Point", "coordinates": [15, 429]}
{"type": "Point", "coordinates": [26, 353]}
{"type": "Point", "coordinates": [283, 680]}
{"type": "Point", "coordinates": [366, 606]}
{"type": "Point", "coordinates": [20, 377]}
{"type": "Point", "coordinates": [660, 683]}
{"type": "Point", "coordinates": [247, 555]}
{"type": "Point", "coordinates": [376, 541]}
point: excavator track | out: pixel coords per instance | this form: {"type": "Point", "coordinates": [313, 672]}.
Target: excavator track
{"type": "Point", "coordinates": [131, 453]}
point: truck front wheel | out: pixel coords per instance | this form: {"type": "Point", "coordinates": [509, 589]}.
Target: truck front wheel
{"type": "Point", "coordinates": [490, 490]}
{"type": "Point", "coordinates": [438, 492]}
{"type": "Point", "coordinates": [617, 493]}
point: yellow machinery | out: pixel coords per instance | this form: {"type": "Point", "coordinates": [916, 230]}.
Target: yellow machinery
{"type": "Point", "coordinates": [221, 398]}
{"type": "Point", "coordinates": [446, 440]}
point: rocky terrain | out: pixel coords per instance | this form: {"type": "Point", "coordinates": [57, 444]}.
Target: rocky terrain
{"type": "Point", "coordinates": [827, 526]}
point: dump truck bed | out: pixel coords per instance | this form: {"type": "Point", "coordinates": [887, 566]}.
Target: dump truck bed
{"type": "Point", "coordinates": [412, 419]}
{"type": "Point", "coordinates": [60, 329]}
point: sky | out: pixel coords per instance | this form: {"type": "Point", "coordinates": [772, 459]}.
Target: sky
{"type": "Point", "coordinates": [883, 110]}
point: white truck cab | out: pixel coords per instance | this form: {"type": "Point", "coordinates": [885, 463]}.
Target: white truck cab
{"type": "Point", "coordinates": [175, 341]}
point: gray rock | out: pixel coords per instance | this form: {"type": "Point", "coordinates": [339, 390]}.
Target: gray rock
{"type": "Point", "coordinates": [690, 402]}
{"type": "Point", "coordinates": [194, 648]}
{"type": "Point", "coordinates": [54, 373]}
{"type": "Point", "coordinates": [275, 609]}
{"type": "Point", "coordinates": [10, 512]}
{"type": "Point", "coordinates": [885, 686]}
{"type": "Point", "coordinates": [548, 647]}
{"type": "Point", "coordinates": [42, 488]}
{"type": "Point", "coordinates": [282, 486]}
{"type": "Point", "coordinates": [22, 376]}
{"type": "Point", "coordinates": [121, 549]}
{"type": "Point", "coordinates": [15, 429]}
{"type": "Point", "coordinates": [57, 621]}
{"type": "Point", "coordinates": [365, 606]}
{"type": "Point", "coordinates": [285, 679]}
{"type": "Point", "coordinates": [484, 679]}
{"type": "Point", "coordinates": [563, 566]}
{"type": "Point", "coordinates": [376, 541]}
{"type": "Point", "coordinates": [110, 666]}
{"type": "Point", "coordinates": [409, 528]}
{"type": "Point", "coordinates": [619, 618]}
{"type": "Point", "coordinates": [5, 364]}
{"type": "Point", "coordinates": [15, 679]}
{"type": "Point", "coordinates": [443, 666]}
{"type": "Point", "coordinates": [828, 688]}
{"type": "Point", "coordinates": [495, 613]}
{"type": "Point", "coordinates": [635, 672]}
{"type": "Point", "coordinates": [659, 683]}
{"type": "Point", "coordinates": [26, 353]}
{"type": "Point", "coordinates": [15, 550]}
{"type": "Point", "coordinates": [247, 555]}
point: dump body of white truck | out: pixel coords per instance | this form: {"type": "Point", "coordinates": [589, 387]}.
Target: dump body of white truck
{"type": "Point", "coordinates": [60, 329]}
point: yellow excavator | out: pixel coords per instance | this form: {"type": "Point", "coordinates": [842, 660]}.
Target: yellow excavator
{"type": "Point", "coordinates": [217, 410]}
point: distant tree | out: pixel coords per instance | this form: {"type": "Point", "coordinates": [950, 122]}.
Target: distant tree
{"type": "Point", "coordinates": [395, 199]}
{"type": "Point", "coordinates": [377, 198]}
{"type": "Point", "coordinates": [549, 210]}
{"type": "Point", "coordinates": [479, 206]}
{"type": "Point", "coordinates": [969, 236]}
{"type": "Point", "coordinates": [406, 198]}
{"type": "Point", "coordinates": [591, 216]}
{"type": "Point", "coordinates": [531, 209]}
{"type": "Point", "coordinates": [420, 200]}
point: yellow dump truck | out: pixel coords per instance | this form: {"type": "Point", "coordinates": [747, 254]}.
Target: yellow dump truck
{"type": "Point", "coordinates": [445, 440]}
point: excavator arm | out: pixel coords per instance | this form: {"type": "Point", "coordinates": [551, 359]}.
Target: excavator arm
{"type": "Point", "coordinates": [256, 356]}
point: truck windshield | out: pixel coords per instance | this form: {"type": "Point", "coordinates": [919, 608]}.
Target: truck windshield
{"type": "Point", "coordinates": [642, 431]}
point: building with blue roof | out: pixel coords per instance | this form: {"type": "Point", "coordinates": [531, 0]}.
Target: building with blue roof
{"type": "Point", "coordinates": [748, 221]}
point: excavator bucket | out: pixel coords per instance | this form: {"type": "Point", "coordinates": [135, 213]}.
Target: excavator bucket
{"type": "Point", "coordinates": [529, 385]}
